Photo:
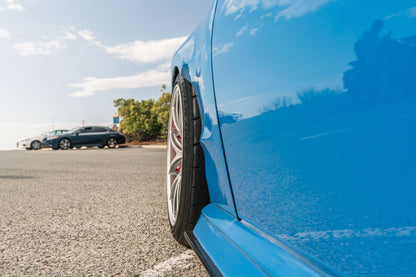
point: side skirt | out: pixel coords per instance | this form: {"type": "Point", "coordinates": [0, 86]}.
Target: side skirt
{"type": "Point", "coordinates": [230, 247]}
{"type": "Point", "coordinates": [203, 256]}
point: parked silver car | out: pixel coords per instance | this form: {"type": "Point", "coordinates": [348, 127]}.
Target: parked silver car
{"type": "Point", "coordinates": [37, 142]}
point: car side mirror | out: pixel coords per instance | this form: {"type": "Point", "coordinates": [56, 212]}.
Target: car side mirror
{"type": "Point", "coordinates": [77, 133]}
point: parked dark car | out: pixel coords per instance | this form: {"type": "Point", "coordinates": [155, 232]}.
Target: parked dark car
{"type": "Point", "coordinates": [86, 136]}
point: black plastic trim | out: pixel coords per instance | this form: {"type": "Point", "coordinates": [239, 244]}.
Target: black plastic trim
{"type": "Point", "coordinates": [203, 256]}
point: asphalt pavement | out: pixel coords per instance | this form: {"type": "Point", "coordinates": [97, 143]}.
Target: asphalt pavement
{"type": "Point", "coordinates": [88, 212]}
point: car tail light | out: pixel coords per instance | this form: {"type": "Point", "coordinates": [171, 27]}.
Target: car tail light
{"type": "Point", "coordinates": [121, 133]}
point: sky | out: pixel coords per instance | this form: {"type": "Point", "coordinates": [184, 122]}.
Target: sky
{"type": "Point", "coordinates": [66, 61]}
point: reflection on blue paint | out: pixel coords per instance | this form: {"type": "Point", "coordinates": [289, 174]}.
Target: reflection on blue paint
{"type": "Point", "coordinates": [384, 66]}
{"type": "Point", "coordinates": [317, 114]}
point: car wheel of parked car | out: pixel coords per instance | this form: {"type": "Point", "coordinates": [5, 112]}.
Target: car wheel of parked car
{"type": "Point", "coordinates": [65, 144]}
{"type": "Point", "coordinates": [186, 183]}
{"type": "Point", "coordinates": [111, 143]}
{"type": "Point", "coordinates": [35, 145]}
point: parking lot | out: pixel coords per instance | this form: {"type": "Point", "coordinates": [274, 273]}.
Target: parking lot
{"type": "Point", "coordinates": [92, 212]}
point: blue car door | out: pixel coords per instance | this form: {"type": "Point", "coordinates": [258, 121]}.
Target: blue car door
{"type": "Point", "coordinates": [316, 103]}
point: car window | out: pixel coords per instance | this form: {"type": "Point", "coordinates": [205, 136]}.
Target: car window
{"type": "Point", "coordinates": [86, 130]}
{"type": "Point", "coordinates": [100, 129]}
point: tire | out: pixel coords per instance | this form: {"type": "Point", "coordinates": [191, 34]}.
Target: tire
{"type": "Point", "coordinates": [65, 144]}
{"type": "Point", "coordinates": [35, 145]}
{"type": "Point", "coordinates": [187, 191]}
{"type": "Point", "coordinates": [112, 143]}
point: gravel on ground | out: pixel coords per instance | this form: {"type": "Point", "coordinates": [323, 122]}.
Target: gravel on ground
{"type": "Point", "coordinates": [88, 212]}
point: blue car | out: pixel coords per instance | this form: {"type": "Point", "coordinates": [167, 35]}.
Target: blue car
{"type": "Point", "coordinates": [292, 138]}
{"type": "Point", "coordinates": [86, 136]}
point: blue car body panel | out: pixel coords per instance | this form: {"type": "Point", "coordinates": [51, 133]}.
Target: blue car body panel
{"type": "Point", "coordinates": [309, 135]}
{"type": "Point", "coordinates": [239, 249]}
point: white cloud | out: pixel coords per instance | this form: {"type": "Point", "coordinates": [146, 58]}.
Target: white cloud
{"type": "Point", "coordinates": [253, 32]}
{"type": "Point", "coordinates": [67, 34]}
{"type": "Point", "coordinates": [138, 51]}
{"type": "Point", "coordinates": [45, 47]}
{"type": "Point", "coordinates": [4, 33]}
{"type": "Point", "coordinates": [242, 30]}
{"type": "Point", "coordinates": [38, 48]}
{"type": "Point", "coordinates": [235, 6]}
{"type": "Point", "coordinates": [16, 7]}
{"type": "Point", "coordinates": [298, 8]}
{"type": "Point", "coordinates": [222, 49]}
{"type": "Point", "coordinates": [12, 5]}
{"type": "Point", "coordinates": [91, 85]}
{"type": "Point", "coordinates": [87, 35]}
{"type": "Point", "coordinates": [290, 8]}
{"type": "Point", "coordinates": [147, 51]}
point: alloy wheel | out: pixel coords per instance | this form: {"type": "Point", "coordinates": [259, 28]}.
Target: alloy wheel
{"type": "Point", "coordinates": [112, 142]}
{"type": "Point", "coordinates": [35, 145]}
{"type": "Point", "coordinates": [65, 144]}
{"type": "Point", "coordinates": [174, 154]}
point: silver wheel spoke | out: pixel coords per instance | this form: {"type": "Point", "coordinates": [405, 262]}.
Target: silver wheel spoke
{"type": "Point", "coordinates": [175, 165]}
{"type": "Point", "coordinates": [112, 142]}
{"type": "Point", "coordinates": [175, 187]}
{"type": "Point", "coordinates": [174, 155]}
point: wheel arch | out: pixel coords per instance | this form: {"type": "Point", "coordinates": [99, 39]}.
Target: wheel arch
{"type": "Point", "coordinates": [193, 61]}
{"type": "Point", "coordinates": [175, 73]}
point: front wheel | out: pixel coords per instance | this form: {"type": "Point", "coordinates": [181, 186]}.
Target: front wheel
{"type": "Point", "coordinates": [65, 144]}
{"type": "Point", "coordinates": [187, 191]}
{"type": "Point", "coordinates": [112, 143]}
{"type": "Point", "coordinates": [35, 145]}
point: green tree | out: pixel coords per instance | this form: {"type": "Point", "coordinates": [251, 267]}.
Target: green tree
{"type": "Point", "coordinates": [161, 109]}
{"type": "Point", "coordinates": [146, 119]}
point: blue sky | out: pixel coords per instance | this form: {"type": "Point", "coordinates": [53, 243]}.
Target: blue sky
{"type": "Point", "coordinates": [68, 60]}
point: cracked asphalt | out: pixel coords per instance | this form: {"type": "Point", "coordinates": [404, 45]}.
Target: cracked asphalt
{"type": "Point", "coordinates": [88, 212]}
